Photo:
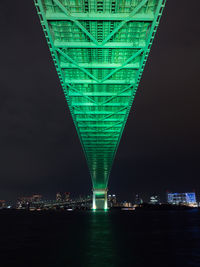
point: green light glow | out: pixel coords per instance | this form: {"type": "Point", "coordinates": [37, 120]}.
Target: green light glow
{"type": "Point", "coordinates": [99, 49]}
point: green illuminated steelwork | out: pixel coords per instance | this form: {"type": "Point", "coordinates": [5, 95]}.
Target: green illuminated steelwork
{"type": "Point", "coordinates": [99, 48]}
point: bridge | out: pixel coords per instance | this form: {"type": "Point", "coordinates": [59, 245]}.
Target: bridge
{"type": "Point", "coordinates": [99, 48]}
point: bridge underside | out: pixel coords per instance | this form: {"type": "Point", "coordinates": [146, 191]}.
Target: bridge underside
{"type": "Point", "coordinates": [99, 49]}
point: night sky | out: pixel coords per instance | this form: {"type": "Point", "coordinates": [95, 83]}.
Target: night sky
{"type": "Point", "coordinates": [39, 148]}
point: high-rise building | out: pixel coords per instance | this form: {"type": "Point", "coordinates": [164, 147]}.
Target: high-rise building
{"type": "Point", "coordinates": [58, 197]}
{"type": "Point", "coordinates": [36, 198]}
{"type": "Point", "coordinates": [188, 199]}
{"type": "Point", "coordinates": [2, 204]}
{"type": "Point", "coordinates": [67, 196]}
{"type": "Point", "coordinates": [24, 202]}
{"type": "Point", "coordinates": [154, 199]}
{"type": "Point", "coordinates": [112, 200]}
{"type": "Point", "coordinates": [138, 199]}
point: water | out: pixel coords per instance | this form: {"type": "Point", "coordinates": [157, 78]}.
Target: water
{"type": "Point", "coordinates": [84, 239]}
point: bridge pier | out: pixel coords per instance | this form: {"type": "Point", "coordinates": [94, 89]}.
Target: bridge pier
{"type": "Point", "coordinates": [100, 201]}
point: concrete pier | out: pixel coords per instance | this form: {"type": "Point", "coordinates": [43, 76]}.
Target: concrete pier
{"type": "Point", "coordinates": [100, 201]}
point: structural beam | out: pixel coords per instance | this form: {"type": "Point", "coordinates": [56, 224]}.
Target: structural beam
{"type": "Point", "coordinates": [107, 16]}
{"type": "Point", "coordinates": [84, 45]}
{"type": "Point", "coordinates": [72, 81]}
{"type": "Point", "coordinates": [65, 65]}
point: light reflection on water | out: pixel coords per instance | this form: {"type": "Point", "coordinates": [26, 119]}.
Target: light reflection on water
{"type": "Point", "coordinates": [94, 239]}
{"type": "Point", "coordinates": [100, 247]}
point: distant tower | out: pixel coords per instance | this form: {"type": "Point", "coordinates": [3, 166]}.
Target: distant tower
{"type": "Point", "coordinates": [154, 199]}
{"type": "Point", "coordinates": [67, 196]}
{"type": "Point", "coordinates": [138, 200]}
{"type": "Point", "coordinates": [58, 197]}
{"type": "Point", "coordinates": [112, 200]}
{"type": "Point", "coordinates": [2, 204]}
{"type": "Point", "coordinates": [36, 198]}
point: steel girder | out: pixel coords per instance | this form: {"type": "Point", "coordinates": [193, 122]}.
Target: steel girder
{"type": "Point", "coordinates": [99, 49]}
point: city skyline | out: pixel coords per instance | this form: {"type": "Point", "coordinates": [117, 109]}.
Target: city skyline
{"type": "Point", "coordinates": [66, 196]}
{"type": "Point", "coordinates": [39, 146]}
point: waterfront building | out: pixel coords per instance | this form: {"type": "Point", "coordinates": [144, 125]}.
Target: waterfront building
{"type": "Point", "coordinates": [29, 199]}
{"type": "Point", "coordinates": [138, 199]}
{"type": "Point", "coordinates": [2, 204]}
{"type": "Point", "coordinates": [66, 196]}
{"type": "Point", "coordinates": [154, 200]}
{"type": "Point", "coordinates": [127, 204]}
{"type": "Point", "coordinates": [58, 197]}
{"type": "Point", "coordinates": [187, 199]}
{"type": "Point", "coordinates": [112, 200]}
{"type": "Point", "coordinates": [36, 198]}
{"type": "Point", "coordinates": [23, 202]}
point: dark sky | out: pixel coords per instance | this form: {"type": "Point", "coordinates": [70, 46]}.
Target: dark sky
{"type": "Point", "coordinates": [39, 148]}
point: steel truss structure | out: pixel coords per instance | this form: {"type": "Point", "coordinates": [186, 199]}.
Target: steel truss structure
{"type": "Point", "coordinates": [99, 48]}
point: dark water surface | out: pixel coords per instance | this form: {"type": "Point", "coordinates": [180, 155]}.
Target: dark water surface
{"type": "Point", "coordinates": [118, 238]}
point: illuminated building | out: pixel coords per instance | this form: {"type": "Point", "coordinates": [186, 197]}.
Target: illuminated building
{"type": "Point", "coordinates": [36, 198]}
{"type": "Point", "coordinates": [2, 204]}
{"type": "Point", "coordinates": [30, 199]}
{"type": "Point", "coordinates": [138, 200]}
{"type": "Point", "coordinates": [58, 197]}
{"type": "Point", "coordinates": [67, 196]}
{"type": "Point", "coordinates": [112, 200]}
{"type": "Point", "coordinates": [154, 199]}
{"type": "Point", "coordinates": [127, 204]}
{"type": "Point", "coordinates": [188, 199]}
{"type": "Point", "coordinates": [23, 202]}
